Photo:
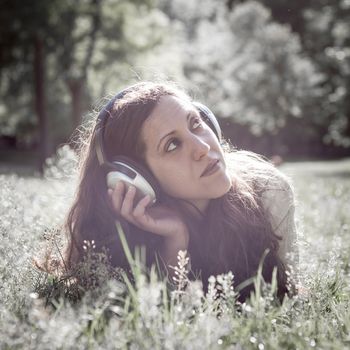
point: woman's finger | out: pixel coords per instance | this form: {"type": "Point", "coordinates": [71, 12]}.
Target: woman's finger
{"type": "Point", "coordinates": [140, 208]}
{"type": "Point", "coordinates": [117, 196]}
{"type": "Point", "coordinates": [128, 203]}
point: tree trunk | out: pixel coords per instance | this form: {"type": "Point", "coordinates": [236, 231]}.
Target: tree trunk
{"type": "Point", "coordinates": [76, 88]}
{"type": "Point", "coordinates": [40, 100]}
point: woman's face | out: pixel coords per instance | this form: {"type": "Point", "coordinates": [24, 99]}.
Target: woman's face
{"type": "Point", "coordinates": [179, 147]}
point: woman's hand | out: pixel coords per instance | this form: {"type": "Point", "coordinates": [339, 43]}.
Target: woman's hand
{"type": "Point", "coordinates": [157, 219]}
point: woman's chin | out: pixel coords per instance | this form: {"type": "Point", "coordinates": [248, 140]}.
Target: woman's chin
{"type": "Point", "coordinates": [226, 185]}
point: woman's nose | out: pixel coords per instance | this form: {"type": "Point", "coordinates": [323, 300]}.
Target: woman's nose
{"type": "Point", "coordinates": [200, 147]}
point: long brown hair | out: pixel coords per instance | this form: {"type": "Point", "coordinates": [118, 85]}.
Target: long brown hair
{"type": "Point", "coordinates": [233, 235]}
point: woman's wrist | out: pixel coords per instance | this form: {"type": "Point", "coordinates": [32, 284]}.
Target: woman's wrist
{"type": "Point", "coordinates": [172, 245]}
{"type": "Point", "coordinates": [179, 238]}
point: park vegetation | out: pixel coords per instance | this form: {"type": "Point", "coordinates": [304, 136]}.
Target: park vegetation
{"type": "Point", "coordinates": [272, 71]}
{"type": "Point", "coordinates": [110, 310]}
{"type": "Point", "coordinates": [276, 74]}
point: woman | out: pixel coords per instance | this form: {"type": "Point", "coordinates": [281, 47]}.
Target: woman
{"type": "Point", "coordinates": [225, 207]}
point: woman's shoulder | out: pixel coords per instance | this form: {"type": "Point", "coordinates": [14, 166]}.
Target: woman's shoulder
{"type": "Point", "coordinates": [275, 192]}
{"type": "Point", "coordinates": [278, 181]}
{"type": "Point", "coordinates": [270, 185]}
{"type": "Point", "coordinates": [258, 171]}
{"type": "Point", "coordinates": [277, 195]}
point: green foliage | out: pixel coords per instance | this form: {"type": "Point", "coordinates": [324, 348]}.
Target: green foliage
{"type": "Point", "coordinates": [326, 37]}
{"type": "Point", "coordinates": [112, 311]}
{"type": "Point", "coordinates": [92, 273]}
{"type": "Point", "coordinates": [90, 48]}
{"type": "Point", "coordinates": [323, 27]}
{"type": "Point", "coordinates": [254, 71]}
{"type": "Point", "coordinates": [268, 65]}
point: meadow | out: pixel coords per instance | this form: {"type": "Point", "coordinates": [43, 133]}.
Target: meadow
{"type": "Point", "coordinates": [36, 312]}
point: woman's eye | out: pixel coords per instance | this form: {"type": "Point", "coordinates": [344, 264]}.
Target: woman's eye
{"type": "Point", "coordinates": [197, 123]}
{"type": "Point", "coordinates": [172, 145]}
{"type": "Point", "coordinates": [175, 143]}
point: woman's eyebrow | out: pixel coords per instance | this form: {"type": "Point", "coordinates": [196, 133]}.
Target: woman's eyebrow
{"type": "Point", "coordinates": [172, 132]}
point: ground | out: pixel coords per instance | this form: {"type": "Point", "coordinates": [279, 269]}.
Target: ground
{"type": "Point", "coordinates": [148, 317]}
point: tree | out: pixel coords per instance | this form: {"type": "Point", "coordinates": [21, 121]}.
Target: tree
{"type": "Point", "coordinates": [324, 30]}
{"type": "Point", "coordinates": [281, 68]}
{"type": "Point", "coordinates": [254, 71]}
{"type": "Point", "coordinates": [84, 21]}
{"type": "Point", "coordinates": [22, 61]}
{"type": "Point", "coordinates": [327, 40]}
{"type": "Point", "coordinates": [60, 47]}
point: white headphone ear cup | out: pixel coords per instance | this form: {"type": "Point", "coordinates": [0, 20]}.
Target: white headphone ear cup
{"type": "Point", "coordinates": [130, 172]}
{"type": "Point", "coordinates": [142, 186]}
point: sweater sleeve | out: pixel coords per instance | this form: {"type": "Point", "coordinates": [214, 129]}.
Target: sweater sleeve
{"type": "Point", "coordinates": [279, 205]}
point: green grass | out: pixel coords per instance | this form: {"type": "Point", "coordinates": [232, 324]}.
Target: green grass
{"type": "Point", "coordinates": [147, 314]}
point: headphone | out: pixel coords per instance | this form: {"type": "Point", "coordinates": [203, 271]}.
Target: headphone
{"type": "Point", "coordinates": [122, 168]}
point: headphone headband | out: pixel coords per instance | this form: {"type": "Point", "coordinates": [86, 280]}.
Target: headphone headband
{"type": "Point", "coordinates": [102, 121]}
{"type": "Point", "coordinates": [100, 127]}
{"type": "Point", "coordinates": [209, 118]}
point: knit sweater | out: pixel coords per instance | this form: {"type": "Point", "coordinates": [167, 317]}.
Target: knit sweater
{"type": "Point", "coordinates": [279, 205]}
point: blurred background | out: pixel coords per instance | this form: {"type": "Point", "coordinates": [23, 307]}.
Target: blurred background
{"type": "Point", "coordinates": [275, 72]}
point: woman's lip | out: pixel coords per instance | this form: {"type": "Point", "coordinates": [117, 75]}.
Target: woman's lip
{"type": "Point", "coordinates": [211, 168]}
